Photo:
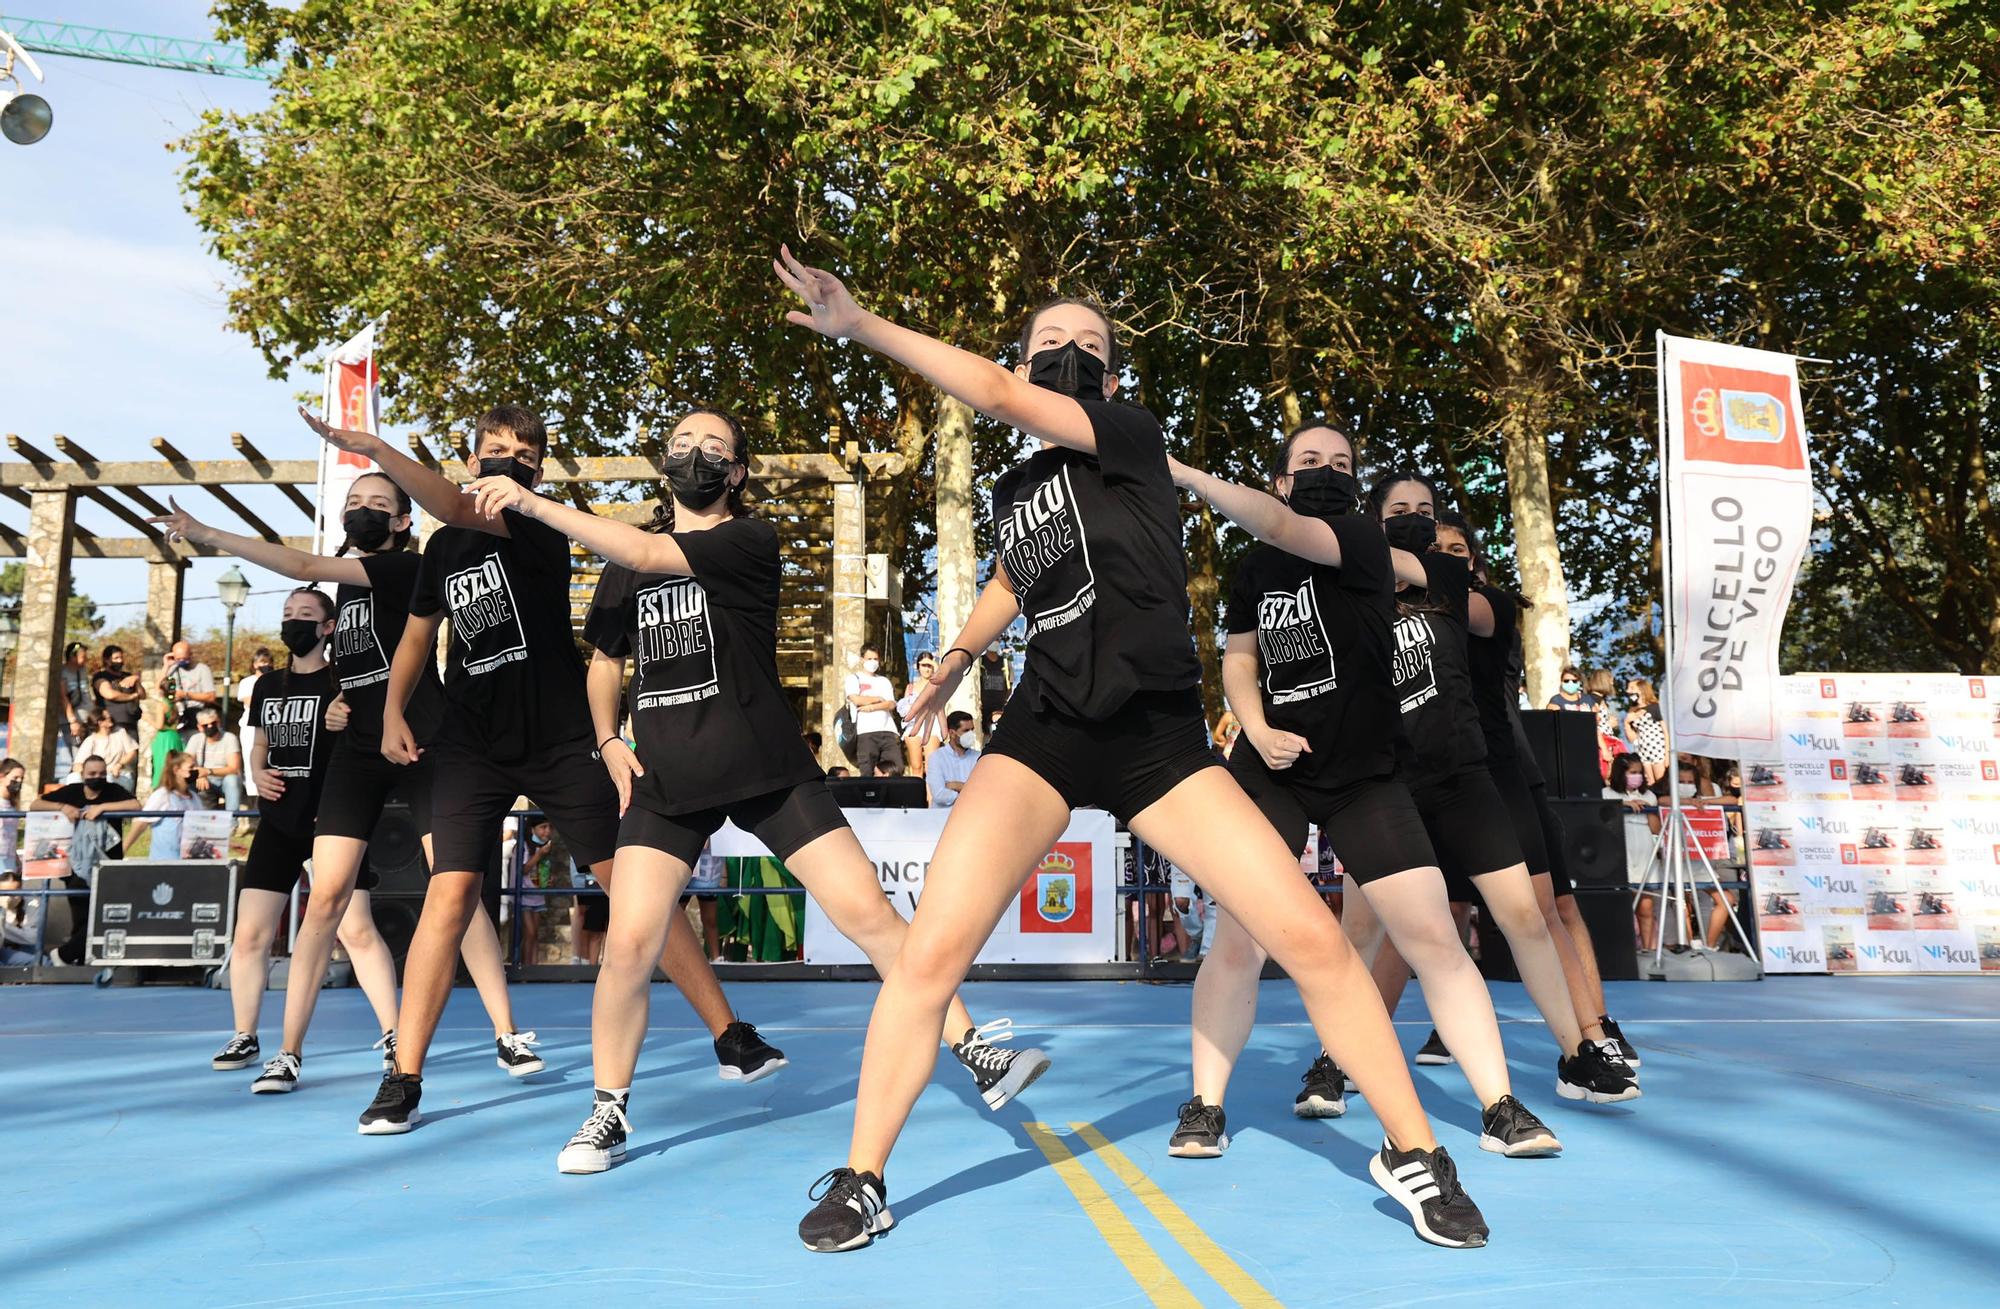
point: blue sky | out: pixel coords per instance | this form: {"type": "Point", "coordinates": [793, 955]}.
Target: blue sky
{"type": "Point", "coordinates": [112, 326]}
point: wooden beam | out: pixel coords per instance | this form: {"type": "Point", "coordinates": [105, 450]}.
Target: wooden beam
{"type": "Point", "coordinates": [174, 471]}
{"type": "Point", "coordinates": [16, 494]}
{"type": "Point", "coordinates": [146, 529]}
{"type": "Point", "coordinates": [73, 450]}
{"type": "Point", "coordinates": [257, 524]}
{"type": "Point", "coordinates": [144, 501]}
{"type": "Point", "coordinates": [14, 546]}
{"type": "Point", "coordinates": [246, 449]}
{"type": "Point", "coordinates": [167, 451]}
{"type": "Point", "coordinates": [12, 542]}
{"type": "Point", "coordinates": [27, 450]}
{"type": "Point", "coordinates": [421, 452]}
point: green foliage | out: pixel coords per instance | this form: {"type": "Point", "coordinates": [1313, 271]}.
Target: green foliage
{"type": "Point", "coordinates": [83, 621]}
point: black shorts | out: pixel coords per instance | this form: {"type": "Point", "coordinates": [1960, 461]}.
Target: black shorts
{"type": "Point", "coordinates": [596, 912]}
{"type": "Point", "coordinates": [1372, 824]}
{"type": "Point", "coordinates": [1552, 840]}
{"type": "Point", "coordinates": [1124, 763]}
{"type": "Point", "coordinates": [1527, 823]}
{"type": "Point", "coordinates": [471, 795]}
{"type": "Point", "coordinates": [787, 820]}
{"type": "Point", "coordinates": [1469, 825]}
{"type": "Point", "coordinates": [278, 856]}
{"type": "Point", "coordinates": [360, 781]}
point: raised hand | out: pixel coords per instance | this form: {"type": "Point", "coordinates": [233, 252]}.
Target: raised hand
{"type": "Point", "coordinates": [180, 525]}
{"type": "Point", "coordinates": [490, 495]}
{"type": "Point", "coordinates": [338, 437]}
{"type": "Point", "coordinates": [927, 707]}
{"type": "Point", "coordinates": [829, 309]}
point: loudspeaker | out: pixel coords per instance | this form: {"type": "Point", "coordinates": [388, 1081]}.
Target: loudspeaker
{"type": "Point", "coordinates": [396, 852]}
{"type": "Point", "coordinates": [1608, 915]}
{"type": "Point", "coordinates": [1593, 840]}
{"type": "Point", "coordinates": [1565, 745]}
{"type": "Point", "coordinates": [879, 792]}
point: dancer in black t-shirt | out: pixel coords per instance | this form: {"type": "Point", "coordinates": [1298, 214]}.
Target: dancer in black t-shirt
{"type": "Point", "coordinates": [1308, 674]}
{"type": "Point", "coordinates": [514, 723]}
{"type": "Point", "coordinates": [374, 573]}
{"type": "Point", "coordinates": [695, 603]}
{"type": "Point", "coordinates": [1107, 713]}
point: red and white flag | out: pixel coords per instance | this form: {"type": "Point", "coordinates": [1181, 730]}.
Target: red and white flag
{"type": "Point", "coordinates": [1739, 519]}
{"type": "Point", "coordinates": [352, 401]}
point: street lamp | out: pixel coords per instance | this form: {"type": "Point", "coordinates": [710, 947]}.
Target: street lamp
{"type": "Point", "coordinates": [25, 117]}
{"type": "Point", "coordinates": [233, 588]}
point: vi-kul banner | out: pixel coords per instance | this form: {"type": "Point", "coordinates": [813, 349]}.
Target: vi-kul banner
{"type": "Point", "coordinates": [1739, 513]}
{"type": "Point", "coordinates": [351, 401]}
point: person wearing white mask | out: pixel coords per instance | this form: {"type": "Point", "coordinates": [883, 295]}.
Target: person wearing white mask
{"type": "Point", "coordinates": [872, 697]}
{"type": "Point", "coordinates": [950, 766]}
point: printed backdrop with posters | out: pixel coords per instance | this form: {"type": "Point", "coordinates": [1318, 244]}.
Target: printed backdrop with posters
{"type": "Point", "coordinates": [1066, 912]}
{"type": "Point", "coordinates": [1739, 515]}
{"type": "Point", "coordinates": [1874, 826]}
{"type": "Point", "coordinates": [352, 402]}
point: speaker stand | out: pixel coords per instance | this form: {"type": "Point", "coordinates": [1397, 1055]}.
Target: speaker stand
{"type": "Point", "coordinates": [1678, 890]}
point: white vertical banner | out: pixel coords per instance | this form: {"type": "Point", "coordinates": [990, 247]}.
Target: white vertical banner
{"type": "Point", "coordinates": [1739, 496]}
{"type": "Point", "coordinates": [352, 401]}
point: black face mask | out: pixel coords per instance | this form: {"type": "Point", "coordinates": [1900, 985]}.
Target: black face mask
{"type": "Point", "coordinates": [1068, 370]}
{"type": "Point", "coordinates": [507, 466]}
{"type": "Point", "coordinates": [1324, 492]}
{"type": "Point", "coordinates": [211, 730]}
{"type": "Point", "coordinates": [93, 784]}
{"type": "Point", "coordinates": [14, 787]}
{"type": "Point", "coordinates": [697, 478]}
{"type": "Point", "coordinates": [1413, 532]}
{"type": "Point", "coordinates": [367, 528]}
{"type": "Point", "coordinates": [300, 635]}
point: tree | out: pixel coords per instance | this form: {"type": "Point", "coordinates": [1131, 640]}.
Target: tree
{"type": "Point", "coordinates": [82, 620]}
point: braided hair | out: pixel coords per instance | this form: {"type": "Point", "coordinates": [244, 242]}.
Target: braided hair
{"type": "Point", "coordinates": [663, 513]}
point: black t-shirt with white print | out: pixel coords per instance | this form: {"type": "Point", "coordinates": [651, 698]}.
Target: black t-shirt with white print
{"type": "Point", "coordinates": [1093, 547]}
{"type": "Point", "coordinates": [708, 713]}
{"type": "Point", "coordinates": [1433, 676]}
{"type": "Point", "coordinates": [1323, 649]}
{"type": "Point", "coordinates": [513, 679]}
{"type": "Point", "coordinates": [368, 625]}
{"type": "Point", "coordinates": [289, 709]}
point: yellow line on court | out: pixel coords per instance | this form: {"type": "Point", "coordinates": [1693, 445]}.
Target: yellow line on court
{"type": "Point", "coordinates": [1228, 1274]}
{"type": "Point", "coordinates": [1157, 1280]}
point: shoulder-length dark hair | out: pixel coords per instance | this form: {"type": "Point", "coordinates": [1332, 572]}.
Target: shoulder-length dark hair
{"type": "Point", "coordinates": [663, 513]}
{"type": "Point", "coordinates": [397, 541]}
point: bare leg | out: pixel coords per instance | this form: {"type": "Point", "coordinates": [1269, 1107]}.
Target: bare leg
{"type": "Point", "coordinates": [649, 887]}
{"type": "Point", "coordinates": [683, 962]}
{"type": "Point", "coordinates": [486, 960]}
{"type": "Point", "coordinates": [336, 865]}
{"type": "Point", "coordinates": [1510, 902]}
{"type": "Point", "coordinates": [258, 914]}
{"type": "Point", "coordinates": [1413, 907]}
{"type": "Point", "coordinates": [450, 902]}
{"type": "Point", "coordinates": [374, 966]}
{"type": "Point", "coordinates": [1225, 1006]}
{"type": "Point", "coordinates": [1364, 929]}
{"type": "Point", "coordinates": [1573, 975]}
{"type": "Point", "coordinates": [1586, 953]}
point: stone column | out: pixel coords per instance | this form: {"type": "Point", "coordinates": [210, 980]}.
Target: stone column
{"type": "Point", "coordinates": [44, 618]}
{"type": "Point", "coordinates": [849, 601]}
{"type": "Point", "coordinates": [166, 584]}
{"type": "Point", "coordinates": [957, 555]}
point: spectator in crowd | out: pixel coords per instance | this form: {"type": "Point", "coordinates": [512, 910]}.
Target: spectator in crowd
{"type": "Point", "coordinates": [77, 702]}
{"type": "Point", "coordinates": [160, 717]}
{"type": "Point", "coordinates": [993, 688]}
{"type": "Point", "coordinates": [992, 724]}
{"type": "Point", "coordinates": [814, 742]}
{"type": "Point", "coordinates": [872, 698]}
{"type": "Point", "coordinates": [1600, 685]}
{"type": "Point", "coordinates": [95, 799]}
{"type": "Point", "coordinates": [888, 768]}
{"type": "Point", "coordinates": [839, 770]}
{"type": "Point", "coordinates": [1645, 729]}
{"type": "Point", "coordinates": [1572, 695]}
{"type": "Point", "coordinates": [1227, 729]}
{"type": "Point", "coordinates": [952, 763]}
{"type": "Point", "coordinates": [191, 686]}
{"type": "Point", "coordinates": [13, 773]}
{"type": "Point", "coordinates": [260, 664]}
{"type": "Point", "coordinates": [118, 691]}
{"type": "Point", "coordinates": [115, 746]}
{"type": "Point", "coordinates": [917, 749]}
{"type": "Point", "coordinates": [174, 795]}
{"type": "Point", "coordinates": [218, 761]}
{"type": "Point", "coordinates": [589, 920]}
{"type": "Point", "coordinates": [545, 863]}
{"type": "Point", "coordinates": [20, 920]}
{"type": "Point", "coordinates": [708, 875]}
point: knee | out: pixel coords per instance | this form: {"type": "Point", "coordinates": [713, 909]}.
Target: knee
{"type": "Point", "coordinates": [1234, 951]}
{"type": "Point", "coordinates": [929, 966]}
{"type": "Point", "coordinates": [1519, 920]}
{"type": "Point", "coordinates": [252, 938]}
{"type": "Point", "coordinates": [629, 952]}
{"type": "Point", "coordinates": [323, 914]}
{"type": "Point", "coordinates": [1431, 944]}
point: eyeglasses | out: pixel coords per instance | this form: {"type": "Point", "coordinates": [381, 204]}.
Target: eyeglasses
{"type": "Point", "coordinates": [712, 446]}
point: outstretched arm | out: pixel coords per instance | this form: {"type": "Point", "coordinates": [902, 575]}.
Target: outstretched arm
{"type": "Point", "coordinates": [439, 496]}
{"type": "Point", "coordinates": [281, 559]}
{"type": "Point", "coordinates": [1265, 517]}
{"type": "Point", "coordinates": [621, 543]}
{"type": "Point", "coordinates": [979, 382]}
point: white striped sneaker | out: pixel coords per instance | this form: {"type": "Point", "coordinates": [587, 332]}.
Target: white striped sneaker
{"type": "Point", "coordinates": [1425, 1182]}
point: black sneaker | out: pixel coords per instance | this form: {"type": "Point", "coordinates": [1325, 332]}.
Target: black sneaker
{"type": "Point", "coordinates": [1433, 1051]}
{"type": "Point", "coordinates": [514, 1052]}
{"type": "Point", "coordinates": [744, 1056]}
{"type": "Point", "coordinates": [1000, 1074]}
{"type": "Point", "coordinates": [1625, 1047]}
{"type": "Point", "coordinates": [1614, 1058]}
{"type": "Point", "coordinates": [395, 1106]}
{"type": "Point", "coordinates": [1508, 1127]}
{"type": "Point", "coordinates": [1201, 1134]}
{"type": "Point", "coordinates": [852, 1211]}
{"type": "Point", "coordinates": [280, 1075]}
{"type": "Point", "coordinates": [387, 1045]}
{"type": "Point", "coordinates": [1425, 1182]}
{"type": "Point", "coordinates": [600, 1142]}
{"type": "Point", "coordinates": [1324, 1095]}
{"type": "Point", "coordinates": [241, 1052]}
{"type": "Point", "coordinates": [1586, 1076]}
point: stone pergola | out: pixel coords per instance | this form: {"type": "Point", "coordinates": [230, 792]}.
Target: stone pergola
{"type": "Point", "coordinates": [819, 503]}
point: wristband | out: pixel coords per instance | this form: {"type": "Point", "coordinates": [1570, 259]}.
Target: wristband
{"type": "Point", "coordinates": [970, 658]}
{"type": "Point", "coordinates": [608, 740]}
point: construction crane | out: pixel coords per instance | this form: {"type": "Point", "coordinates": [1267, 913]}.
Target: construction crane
{"type": "Point", "coordinates": [25, 117]}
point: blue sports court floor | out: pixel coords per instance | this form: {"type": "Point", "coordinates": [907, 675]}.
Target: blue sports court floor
{"type": "Point", "coordinates": [1801, 1141]}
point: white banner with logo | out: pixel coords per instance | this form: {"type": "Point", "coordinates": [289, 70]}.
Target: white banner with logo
{"type": "Point", "coordinates": [1874, 826]}
{"type": "Point", "coordinates": [1739, 518]}
{"type": "Point", "coordinates": [352, 401]}
{"type": "Point", "coordinates": [1065, 912]}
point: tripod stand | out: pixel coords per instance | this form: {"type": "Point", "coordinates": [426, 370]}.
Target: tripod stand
{"type": "Point", "coordinates": [1679, 884]}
